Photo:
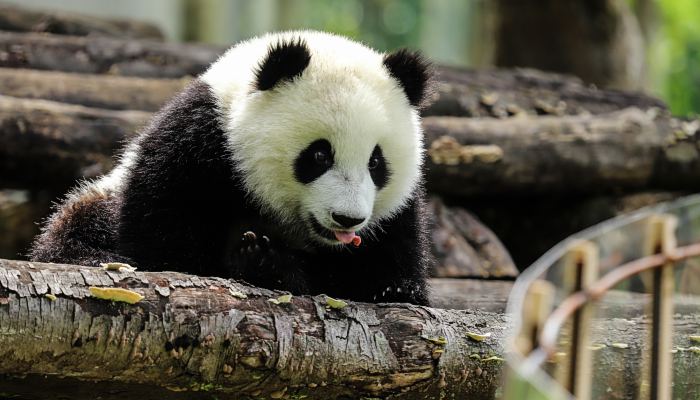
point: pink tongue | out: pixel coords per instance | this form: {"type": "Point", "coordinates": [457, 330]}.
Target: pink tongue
{"type": "Point", "coordinates": [345, 237]}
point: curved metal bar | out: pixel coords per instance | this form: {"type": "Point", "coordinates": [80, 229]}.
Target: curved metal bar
{"type": "Point", "coordinates": [552, 326]}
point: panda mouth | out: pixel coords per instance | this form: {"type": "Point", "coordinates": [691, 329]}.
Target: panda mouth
{"type": "Point", "coordinates": [344, 237]}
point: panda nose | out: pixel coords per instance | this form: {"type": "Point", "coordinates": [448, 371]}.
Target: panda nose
{"type": "Point", "coordinates": [345, 221]}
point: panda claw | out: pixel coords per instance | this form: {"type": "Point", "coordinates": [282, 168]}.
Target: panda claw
{"type": "Point", "coordinates": [249, 236]}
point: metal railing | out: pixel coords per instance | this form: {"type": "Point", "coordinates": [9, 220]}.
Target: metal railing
{"type": "Point", "coordinates": [559, 293]}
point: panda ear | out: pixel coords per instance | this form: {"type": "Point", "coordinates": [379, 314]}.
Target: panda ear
{"type": "Point", "coordinates": [413, 72]}
{"type": "Point", "coordinates": [285, 60]}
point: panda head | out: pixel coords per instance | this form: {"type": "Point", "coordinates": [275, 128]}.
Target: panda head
{"type": "Point", "coordinates": [324, 131]}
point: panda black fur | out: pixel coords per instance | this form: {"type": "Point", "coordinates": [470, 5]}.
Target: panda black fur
{"type": "Point", "coordinates": [302, 138]}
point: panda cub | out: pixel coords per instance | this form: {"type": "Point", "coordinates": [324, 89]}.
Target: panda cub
{"type": "Point", "coordinates": [294, 162]}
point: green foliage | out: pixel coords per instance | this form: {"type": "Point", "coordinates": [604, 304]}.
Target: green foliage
{"type": "Point", "coordinates": [675, 56]}
{"type": "Point", "coordinates": [385, 24]}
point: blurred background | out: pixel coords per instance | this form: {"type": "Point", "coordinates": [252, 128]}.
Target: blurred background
{"type": "Point", "coordinates": [651, 45]}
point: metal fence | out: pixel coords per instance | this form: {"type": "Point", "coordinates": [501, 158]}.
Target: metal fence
{"type": "Point", "coordinates": [641, 269]}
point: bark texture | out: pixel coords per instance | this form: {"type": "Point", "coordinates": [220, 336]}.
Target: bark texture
{"type": "Point", "coordinates": [627, 150]}
{"type": "Point", "coordinates": [100, 91]}
{"type": "Point", "coordinates": [510, 92]}
{"type": "Point", "coordinates": [464, 247]}
{"type": "Point", "coordinates": [48, 144]}
{"type": "Point", "coordinates": [104, 55]}
{"type": "Point", "coordinates": [204, 334]}
{"type": "Point", "coordinates": [195, 337]}
{"type": "Point", "coordinates": [23, 20]}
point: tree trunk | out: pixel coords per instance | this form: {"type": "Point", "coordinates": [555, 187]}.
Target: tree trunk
{"type": "Point", "coordinates": [23, 20]}
{"type": "Point", "coordinates": [598, 40]}
{"type": "Point", "coordinates": [567, 155]}
{"type": "Point", "coordinates": [191, 335]}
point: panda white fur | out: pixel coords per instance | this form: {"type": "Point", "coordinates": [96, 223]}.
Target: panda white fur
{"type": "Point", "coordinates": [267, 168]}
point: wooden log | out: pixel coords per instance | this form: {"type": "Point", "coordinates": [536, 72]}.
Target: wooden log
{"type": "Point", "coordinates": [63, 23]}
{"type": "Point", "coordinates": [504, 93]}
{"type": "Point", "coordinates": [195, 337]}
{"type": "Point", "coordinates": [470, 294]}
{"type": "Point", "coordinates": [104, 55]}
{"type": "Point", "coordinates": [100, 91]}
{"type": "Point", "coordinates": [207, 334]}
{"type": "Point", "coordinates": [464, 247]}
{"type": "Point", "coordinates": [566, 155]}
{"type": "Point", "coordinates": [46, 144]}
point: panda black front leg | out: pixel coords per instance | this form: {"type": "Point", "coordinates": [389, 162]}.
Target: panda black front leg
{"type": "Point", "coordinates": [260, 263]}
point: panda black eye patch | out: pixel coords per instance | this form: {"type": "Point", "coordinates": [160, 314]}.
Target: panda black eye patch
{"type": "Point", "coordinates": [313, 161]}
{"type": "Point", "coordinates": [377, 168]}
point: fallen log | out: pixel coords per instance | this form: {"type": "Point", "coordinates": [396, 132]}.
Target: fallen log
{"type": "Point", "coordinates": [100, 91]}
{"type": "Point", "coordinates": [470, 294]}
{"type": "Point", "coordinates": [504, 93]}
{"type": "Point", "coordinates": [63, 23]}
{"type": "Point", "coordinates": [195, 337]}
{"type": "Point", "coordinates": [46, 144]}
{"type": "Point", "coordinates": [104, 55]}
{"type": "Point", "coordinates": [464, 247]}
{"type": "Point", "coordinates": [208, 334]}
{"type": "Point", "coordinates": [627, 150]}
{"type": "Point", "coordinates": [469, 93]}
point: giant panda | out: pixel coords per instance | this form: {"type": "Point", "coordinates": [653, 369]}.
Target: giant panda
{"type": "Point", "coordinates": [294, 162]}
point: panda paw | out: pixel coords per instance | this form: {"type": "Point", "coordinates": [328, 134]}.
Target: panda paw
{"type": "Point", "coordinates": [260, 264]}
{"type": "Point", "coordinates": [255, 253]}
{"type": "Point", "coordinates": [251, 244]}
